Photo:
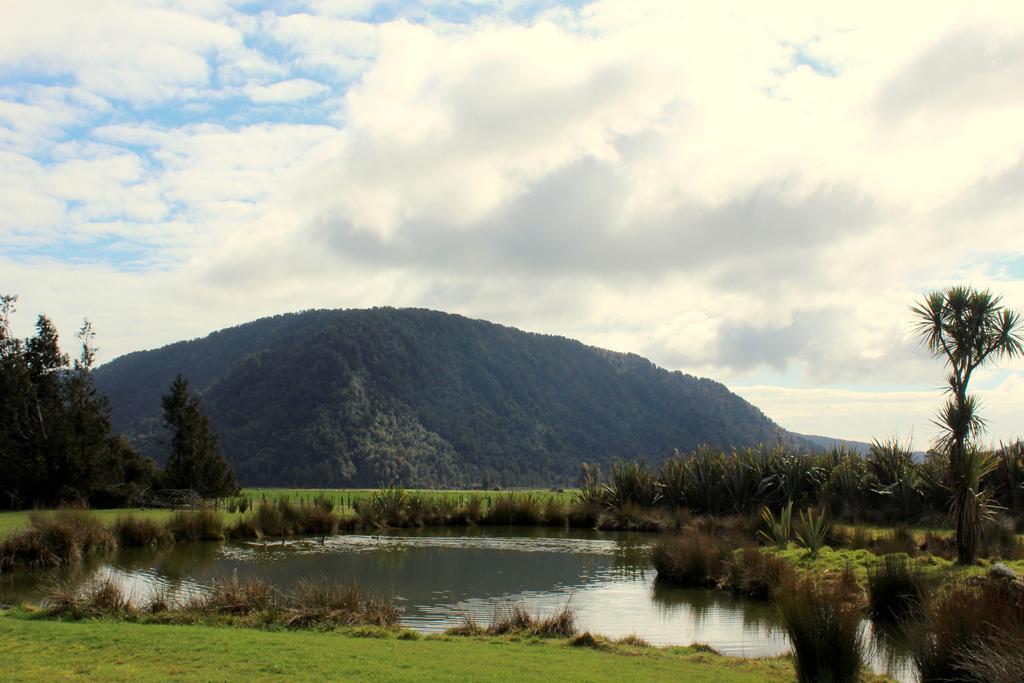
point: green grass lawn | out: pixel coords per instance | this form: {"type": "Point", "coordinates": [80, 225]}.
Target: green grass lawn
{"type": "Point", "coordinates": [34, 649]}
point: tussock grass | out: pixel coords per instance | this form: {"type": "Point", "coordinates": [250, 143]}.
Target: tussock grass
{"type": "Point", "coordinates": [896, 588]}
{"type": "Point", "coordinates": [516, 619]}
{"type": "Point", "coordinates": [514, 510]}
{"type": "Point", "coordinates": [196, 525]}
{"type": "Point", "coordinates": [756, 574]}
{"type": "Point", "coordinates": [140, 532]}
{"type": "Point", "coordinates": [695, 559]}
{"type": "Point", "coordinates": [54, 540]}
{"type": "Point", "coordinates": [823, 625]}
{"type": "Point", "coordinates": [972, 631]}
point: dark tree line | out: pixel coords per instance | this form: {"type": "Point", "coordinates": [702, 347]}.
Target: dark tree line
{"type": "Point", "coordinates": [56, 441]}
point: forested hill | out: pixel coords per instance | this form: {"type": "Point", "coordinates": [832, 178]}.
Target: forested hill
{"type": "Point", "coordinates": [363, 397]}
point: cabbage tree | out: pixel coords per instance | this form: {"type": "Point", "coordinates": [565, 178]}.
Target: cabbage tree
{"type": "Point", "coordinates": [967, 328]}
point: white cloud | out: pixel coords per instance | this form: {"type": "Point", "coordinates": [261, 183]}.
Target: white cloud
{"type": "Point", "coordinates": [739, 191]}
{"type": "Point", "coordinates": [134, 51]}
{"type": "Point", "coordinates": [292, 90]}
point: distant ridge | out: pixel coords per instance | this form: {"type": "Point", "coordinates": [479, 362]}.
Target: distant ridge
{"type": "Point", "coordinates": [424, 398]}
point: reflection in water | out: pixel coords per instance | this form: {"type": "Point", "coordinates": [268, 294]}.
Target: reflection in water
{"type": "Point", "coordinates": [436, 575]}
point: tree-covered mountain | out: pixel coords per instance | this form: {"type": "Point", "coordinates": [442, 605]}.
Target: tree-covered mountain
{"type": "Point", "coordinates": [363, 397]}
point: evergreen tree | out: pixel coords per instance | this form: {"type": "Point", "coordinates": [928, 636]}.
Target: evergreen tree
{"type": "Point", "coordinates": [56, 443]}
{"type": "Point", "coordinates": [196, 461]}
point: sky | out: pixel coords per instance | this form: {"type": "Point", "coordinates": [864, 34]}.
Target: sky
{"type": "Point", "coordinates": [752, 192]}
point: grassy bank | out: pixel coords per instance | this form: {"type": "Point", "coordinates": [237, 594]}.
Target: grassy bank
{"type": "Point", "coordinates": [34, 649]}
{"type": "Point", "coordinates": [344, 499]}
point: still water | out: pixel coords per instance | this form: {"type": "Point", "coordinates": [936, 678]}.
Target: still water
{"type": "Point", "coordinates": [437, 575]}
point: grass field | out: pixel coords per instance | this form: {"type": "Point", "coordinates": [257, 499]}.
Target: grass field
{"type": "Point", "coordinates": [34, 649]}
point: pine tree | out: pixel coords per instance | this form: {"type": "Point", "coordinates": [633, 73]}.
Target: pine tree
{"type": "Point", "coordinates": [196, 461]}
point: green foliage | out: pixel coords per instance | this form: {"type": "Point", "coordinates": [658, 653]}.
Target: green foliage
{"type": "Point", "coordinates": [425, 399]}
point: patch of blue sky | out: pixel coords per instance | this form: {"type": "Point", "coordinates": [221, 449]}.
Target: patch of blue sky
{"type": "Point", "coordinates": [466, 11]}
{"type": "Point", "coordinates": [1008, 267]}
{"type": "Point", "coordinates": [801, 57]}
{"type": "Point", "coordinates": [111, 251]}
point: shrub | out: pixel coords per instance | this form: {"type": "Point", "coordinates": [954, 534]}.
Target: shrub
{"type": "Point", "coordinates": [554, 512]}
{"type": "Point", "coordinates": [319, 521]}
{"type": "Point", "coordinates": [269, 520]}
{"type": "Point", "coordinates": [823, 625]}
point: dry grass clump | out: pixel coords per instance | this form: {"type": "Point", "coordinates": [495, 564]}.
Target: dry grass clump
{"type": "Point", "coordinates": [99, 597]}
{"type": "Point", "coordinates": [516, 619]}
{"type": "Point", "coordinates": [232, 596]}
{"type": "Point", "coordinates": [319, 603]}
{"type": "Point", "coordinates": [311, 604]}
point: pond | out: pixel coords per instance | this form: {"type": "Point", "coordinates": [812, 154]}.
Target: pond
{"type": "Point", "coordinates": [438, 575]}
